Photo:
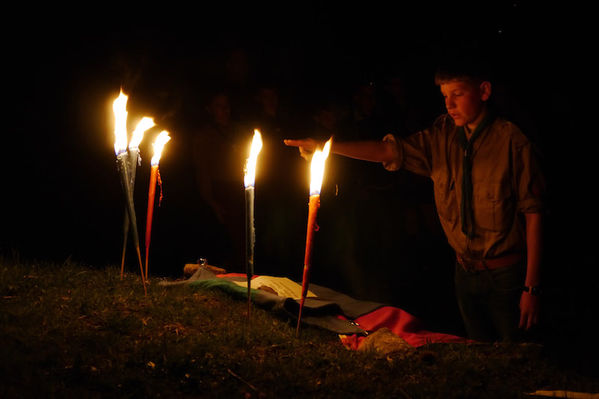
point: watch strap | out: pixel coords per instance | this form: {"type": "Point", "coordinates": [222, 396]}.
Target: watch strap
{"type": "Point", "coordinates": [532, 290]}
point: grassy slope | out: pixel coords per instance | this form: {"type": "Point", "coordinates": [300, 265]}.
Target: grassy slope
{"type": "Point", "coordinates": [75, 331]}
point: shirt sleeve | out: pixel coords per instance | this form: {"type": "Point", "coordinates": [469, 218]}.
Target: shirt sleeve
{"type": "Point", "coordinates": [395, 164]}
{"type": "Point", "coordinates": [529, 181]}
{"type": "Point", "coordinates": [412, 153]}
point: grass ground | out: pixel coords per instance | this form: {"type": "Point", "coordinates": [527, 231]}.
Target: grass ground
{"type": "Point", "coordinates": [72, 330]}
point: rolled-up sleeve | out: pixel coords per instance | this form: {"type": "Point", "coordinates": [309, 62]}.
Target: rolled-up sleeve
{"type": "Point", "coordinates": [412, 153]}
{"type": "Point", "coordinates": [529, 180]}
{"type": "Point", "coordinates": [394, 164]}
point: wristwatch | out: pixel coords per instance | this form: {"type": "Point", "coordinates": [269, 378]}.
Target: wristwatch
{"type": "Point", "coordinates": [534, 290]}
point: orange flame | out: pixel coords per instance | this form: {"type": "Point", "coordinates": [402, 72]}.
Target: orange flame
{"type": "Point", "coordinates": [250, 165]}
{"type": "Point", "coordinates": [119, 107]}
{"type": "Point", "coordinates": [158, 145]}
{"type": "Point", "coordinates": [317, 168]}
{"type": "Point", "coordinates": [138, 134]}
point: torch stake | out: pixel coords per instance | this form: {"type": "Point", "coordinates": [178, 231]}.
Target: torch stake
{"type": "Point", "coordinates": [124, 173]}
{"type": "Point", "coordinates": [250, 239]}
{"type": "Point", "coordinates": [151, 195]}
{"type": "Point", "coordinates": [133, 158]}
{"type": "Point", "coordinates": [125, 236]}
{"type": "Point", "coordinates": [313, 206]}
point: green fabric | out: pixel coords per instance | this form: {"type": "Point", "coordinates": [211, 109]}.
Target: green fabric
{"type": "Point", "coordinates": [319, 312]}
{"type": "Point", "coordinates": [466, 211]}
{"type": "Point", "coordinates": [233, 289]}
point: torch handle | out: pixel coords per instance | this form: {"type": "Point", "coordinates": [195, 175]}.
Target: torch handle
{"type": "Point", "coordinates": [250, 231]}
{"type": "Point", "coordinates": [151, 195]}
{"type": "Point", "coordinates": [313, 206]}
{"type": "Point", "coordinates": [250, 240]}
{"type": "Point", "coordinates": [128, 198]}
{"type": "Point", "coordinates": [132, 158]}
{"type": "Point", "coordinates": [125, 236]}
{"type": "Point", "coordinates": [124, 173]}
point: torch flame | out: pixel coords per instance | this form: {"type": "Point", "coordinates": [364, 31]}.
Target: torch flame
{"type": "Point", "coordinates": [138, 134]}
{"type": "Point", "coordinates": [250, 165]}
{"type": "Point", "coordinates": [119, 107]}
{"type": "Point", "coordinates": [158, 145]}
{"type": "Point", "coordinates": [317, 168]}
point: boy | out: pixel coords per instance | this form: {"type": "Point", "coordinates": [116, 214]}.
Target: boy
{"type": "Point", "coordinates": [488, 189]}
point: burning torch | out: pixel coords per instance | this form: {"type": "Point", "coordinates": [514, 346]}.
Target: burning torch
{"type": "Point", "coordinates": [119, 108]}
{"type": "Point", "coordinates": [158, 145]}
{"type": "Point", "coordinates": [134, 160]}
{"type": "Point", "coordinates": [316, 177]}
{"type": "Point", "coordinates": [250, 233]}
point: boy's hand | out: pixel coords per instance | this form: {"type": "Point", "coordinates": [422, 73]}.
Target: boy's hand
{"type": "Point", "coordinates": [306, 146]}
{"type": "Point", "coordinates": [529, 310]}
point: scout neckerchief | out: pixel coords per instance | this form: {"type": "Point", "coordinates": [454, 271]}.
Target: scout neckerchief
{"type": "Point", "coordinates": [466, 212]}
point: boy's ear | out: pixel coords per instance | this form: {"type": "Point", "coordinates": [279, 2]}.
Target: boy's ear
{"type": "Point", "coordinates": [485, 90]}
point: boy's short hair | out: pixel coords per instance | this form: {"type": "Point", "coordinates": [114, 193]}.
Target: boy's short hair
{"type": "Point", "coordinates": [473, 69]}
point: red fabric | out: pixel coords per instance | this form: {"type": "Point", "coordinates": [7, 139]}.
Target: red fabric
{"type": "Point", "coordinates": [401, 323]}
{"type": "Point", "coordinates": [233, 275]}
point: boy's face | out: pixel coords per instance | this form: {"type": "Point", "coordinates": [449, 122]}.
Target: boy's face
{"type": "Point", "coordinates": [465, 100]}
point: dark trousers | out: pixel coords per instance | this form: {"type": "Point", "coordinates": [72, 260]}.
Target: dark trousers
{"type": "Point", "coordinates": [489, 302]}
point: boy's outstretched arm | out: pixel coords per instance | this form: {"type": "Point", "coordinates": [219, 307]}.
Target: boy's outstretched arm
{"type": "Point", "coordinates": [374, 151]}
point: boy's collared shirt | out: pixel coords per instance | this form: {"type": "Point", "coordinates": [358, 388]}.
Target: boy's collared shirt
{"type": "Point", "coordinates": [506, 182]}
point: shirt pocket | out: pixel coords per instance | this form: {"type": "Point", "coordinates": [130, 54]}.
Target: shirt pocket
{"type": "Point", "coordinates": [493, 207]}
{"type": "Point", "coordinates": [446, 202]}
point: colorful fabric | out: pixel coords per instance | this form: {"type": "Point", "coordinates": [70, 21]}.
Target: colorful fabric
{"type": "Point", "coordinates": [353, 319]}
{"type": "Point", "coordinates": [401, 323]}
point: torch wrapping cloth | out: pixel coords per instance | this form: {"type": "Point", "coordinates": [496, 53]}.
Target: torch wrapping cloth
{"type": "Point", "coordinates": [133, 159]}
{"type": "Point", "coordinates": [314, 204]}
{"type": "Point", "coordinates": [151, 196]}
{"type": "Point", "coordinates": [123, 166]}
{"type": "Point", "coordinates": [250, 232]}
{"type": "Point", "coordinates": [250, 239]}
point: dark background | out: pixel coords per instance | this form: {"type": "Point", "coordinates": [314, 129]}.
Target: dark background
{"type": "Point", "coordinates": [61, 197]}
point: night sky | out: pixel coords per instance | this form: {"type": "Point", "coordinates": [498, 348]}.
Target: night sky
{"type": "Point", "coordinates": [60, 190]}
